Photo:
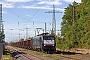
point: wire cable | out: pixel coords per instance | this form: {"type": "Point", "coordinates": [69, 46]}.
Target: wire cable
{"type": "Point", "coordinates": [23, 17]}
{"type": "Point", "coordinates": [35, 13]}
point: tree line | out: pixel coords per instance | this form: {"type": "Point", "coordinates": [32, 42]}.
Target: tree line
{"type": "Point", "coordinates": [75, 30]}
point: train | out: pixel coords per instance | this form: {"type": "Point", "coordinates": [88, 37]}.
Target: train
{"type": "Point", "coordinates": [42, 42]}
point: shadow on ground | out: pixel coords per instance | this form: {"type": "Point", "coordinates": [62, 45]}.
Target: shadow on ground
{"type": "Point", "coordinates": [16, 54]}
{"type": "Point", "coordinates": [6, 52]}
{"type": "Point", "coordinates": [66, 53]}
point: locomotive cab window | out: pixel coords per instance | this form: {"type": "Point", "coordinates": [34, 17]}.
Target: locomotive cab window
{"type": "Point", "coordinates": [48, 38]}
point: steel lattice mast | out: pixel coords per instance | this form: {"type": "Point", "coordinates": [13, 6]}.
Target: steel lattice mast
{"type": "Point", "coordinates": [1, 22]}
{"type": "Point", "coordinates": [54, 20]}
{"type": "Point", "coordinates": [1, 25]}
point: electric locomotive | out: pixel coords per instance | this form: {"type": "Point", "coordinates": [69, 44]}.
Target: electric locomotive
{"type": "Point", "coordinates": [44, 42]}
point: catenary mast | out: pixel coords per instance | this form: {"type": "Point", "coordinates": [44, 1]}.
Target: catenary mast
{"type": "Point", "coordinates": [1, 25]}
{"type": "Point", "coordinates": [54, 20]}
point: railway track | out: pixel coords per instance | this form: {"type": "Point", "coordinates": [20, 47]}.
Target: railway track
{"type": "Point", "coordinates": [65, 57]}
{"type": "Point", "coordinates": [71, 56]}
{"type": "Point", "coordinates": [21, 54]}
{"type": "Point", "coordinates": [34, 57]}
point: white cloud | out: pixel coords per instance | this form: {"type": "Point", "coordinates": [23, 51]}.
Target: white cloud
{"type": "Point", "coordinates": [7, 5]}
{"type": "Point", "coordinates": [56, 2]}
{"type": "Point", "coordinates": [17, 0]}
{"type": "Point", "coordinates": [11, 3]}
{"type": "Point", "coordinates": [79, 1]}
{"type": "Point", "coordinates": [37, 7]}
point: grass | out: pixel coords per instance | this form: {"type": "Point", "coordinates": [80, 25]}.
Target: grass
{"type": "Point", "coordinates": [7, 56]}
{"type": "Point", "coordinates": [44, 54]}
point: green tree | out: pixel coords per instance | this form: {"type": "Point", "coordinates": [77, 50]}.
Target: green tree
{"type": "Point", "coordinates": [75, 25]}
{"type": "Point", "coordinates": [2, 36]}
{"type": "Point", "coordinates": [52, 33]}
{"type": "Point", "coordinates": [68, 29]}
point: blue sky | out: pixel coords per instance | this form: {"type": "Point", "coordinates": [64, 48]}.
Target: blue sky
{"type": "Point", "coordinates": [31, 14]}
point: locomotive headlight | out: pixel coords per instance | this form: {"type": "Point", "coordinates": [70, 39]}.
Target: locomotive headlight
{"type": "Point", "coordinates": [53, 44]}
{"type": "Point", "coordinates": [44, 45]}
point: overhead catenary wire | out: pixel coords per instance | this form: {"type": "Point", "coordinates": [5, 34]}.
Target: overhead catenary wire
{"type": "Point", "coordinates": [35, 13]}
{"type": "Point", "coordinates": [23, 17]}
{"type": "Point", "coordinates": [30, 17]}
{"type": "Point", "coordinates": [14, 13]}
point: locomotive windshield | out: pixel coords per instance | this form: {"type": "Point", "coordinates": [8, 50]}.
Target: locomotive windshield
{"type": "Point", "coordinates": [48, 38]}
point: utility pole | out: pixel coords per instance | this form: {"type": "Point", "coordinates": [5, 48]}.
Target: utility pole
{"type": "Point", "coordinates": [54, 20]}
{"type": "Point", "coordinates": [45, 28]}
{"type": "Point", "coordinates": [26, 32]}
{"type": "Point", "coordinates": [19, 36]}
{"type": "Point", "coordinates": [73, 18]}
{"type": "Point", "coordinates": [19, 31]}
{"type": "Point", "coordinates": [73, 22]}
{"type": "Point", "coordinates": [35, 32]}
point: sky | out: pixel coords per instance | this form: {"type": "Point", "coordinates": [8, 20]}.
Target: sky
{"type": "Point", "coordinates": [21, 14]}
